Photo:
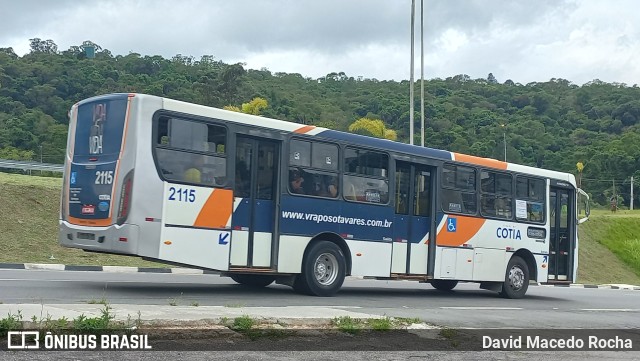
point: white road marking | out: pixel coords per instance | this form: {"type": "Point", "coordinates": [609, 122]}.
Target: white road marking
{"type": "Point", "coordinates": [92, 281]}
{"type": "Point", "coordinates": [611, 309]}
{"type": "Point", "coordinates": [481, 308]}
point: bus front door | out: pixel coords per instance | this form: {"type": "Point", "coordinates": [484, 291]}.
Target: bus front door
{"type": "Point", "coordinates": [562, 244]}
{"type": "Point", "coordinates": [256, 174]}
{"type": "Point", "coordinates": [412, 219]}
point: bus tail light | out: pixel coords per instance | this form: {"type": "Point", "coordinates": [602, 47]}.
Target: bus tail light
{"type": "Point", "coordinates": [63, 194]}
{"type": "Point", "coordinates": [125, 198]}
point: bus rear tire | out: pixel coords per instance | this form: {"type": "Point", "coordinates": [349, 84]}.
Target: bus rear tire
{"type": "Point", "coordinates": [323, 270]}
{"type": "Point", "coordinates": [516, 279]}
{"type": "Point", "coordinates": [255, 281]}
{"type": "Point", "coordinates": [444, 285]}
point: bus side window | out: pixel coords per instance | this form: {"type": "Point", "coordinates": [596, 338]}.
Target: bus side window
{"type": "Point", "coordinates": [368, 179]}
{"type": "Point", "coordinates": [531, 191]}
{"type": "Point", "coordinates": [422, 199]}
{"type": "Point", "coordinates": [458, 189]}
{"type": "Point", "coordinates": [403, 174]}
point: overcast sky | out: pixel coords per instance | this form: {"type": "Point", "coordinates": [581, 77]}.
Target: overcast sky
{"type": "Point", "coordinates": [522, 40]}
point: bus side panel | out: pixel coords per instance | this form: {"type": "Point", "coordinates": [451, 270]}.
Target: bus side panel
{"type": "Point", "coordinates": [310, 216]}
{"type": "Point", "coordinates": [146, 205]}
{"type": "Point", "coordinates": [542, 261]}
{"type": "Point", "coordinates": [290, 253]}
{"type": "Point", "coordinates": [489, 264]}
{"type": "Point", "coordinates": [493, 242]}
{"type": "Point", "coordinates": [195, 226]}
{"type": "Point", "coordinates": [367, 227]}
{"type": "Point", "coordinates": [370, 258]}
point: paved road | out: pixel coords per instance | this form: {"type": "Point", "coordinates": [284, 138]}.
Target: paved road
{"type": "Point", "coordinates": [322, 356]}
{"type": "Point", "coordinates": [467, 306]}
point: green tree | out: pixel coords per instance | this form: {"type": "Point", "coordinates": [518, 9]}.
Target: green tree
{"type": "Point", "coordinates": [254, 107]}
{"type": "Point", "coordinates": [373, 127]}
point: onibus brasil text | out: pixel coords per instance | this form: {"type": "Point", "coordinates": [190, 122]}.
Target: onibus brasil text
{"type": "Point", "coordinates": [20, 340]}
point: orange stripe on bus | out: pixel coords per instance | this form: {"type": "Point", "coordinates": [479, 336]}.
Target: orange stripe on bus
{"type": "Point", "coordinates": [466, 228]}
{"type": "Point", "coordinates": [216, 210]}
{"type": "Point", "coordinates": [90, 222]}
{"type": "Point", "coordinates": [485, 162]}
{"type": "Point", "coordinates": [305, 129]}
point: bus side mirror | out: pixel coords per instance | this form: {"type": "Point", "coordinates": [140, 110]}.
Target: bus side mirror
{"type": "Point", "coordinates": [583, 206]}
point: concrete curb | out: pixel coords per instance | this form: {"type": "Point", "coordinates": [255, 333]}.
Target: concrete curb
{"type": "Point", "coordinates": [191, 271]}
{"type": "Point", "coordinates": [111, 269]}
{"type": "Point", "coordinates": [579, 285]}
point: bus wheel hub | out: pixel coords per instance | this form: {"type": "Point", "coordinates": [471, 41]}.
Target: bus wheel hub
{"type": "Point", "coordinates": [516, 277]}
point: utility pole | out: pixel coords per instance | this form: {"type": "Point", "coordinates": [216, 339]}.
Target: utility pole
{"type": "Point", "coordinates": [504, 135]}
{"type": "Point", "coordinates": [614, 206]}
{"type": "Point", "coordinates": [422, 70]}
{"type": "Point", "coordinates": [631, 202]}
{"type": "Point", "coordinates": [505, 145]}
{"type": "Point", "coordinates": [413, 20]}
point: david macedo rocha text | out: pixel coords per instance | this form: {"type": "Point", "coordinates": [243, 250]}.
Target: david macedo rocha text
{"type": "Point", "coordinates": [571, 342]}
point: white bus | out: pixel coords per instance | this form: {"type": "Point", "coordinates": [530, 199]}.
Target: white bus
{"type": "Point", "coordinates": [264, 200]}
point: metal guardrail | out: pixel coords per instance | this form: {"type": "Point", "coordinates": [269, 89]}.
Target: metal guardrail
{"type": "Point", "coordinates": [29, 166]}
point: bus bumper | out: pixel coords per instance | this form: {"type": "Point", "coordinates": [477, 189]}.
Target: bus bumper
{"type": "Point", "coordinates": [111, 239]}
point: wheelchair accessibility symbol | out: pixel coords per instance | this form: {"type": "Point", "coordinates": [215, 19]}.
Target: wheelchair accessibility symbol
{"type": "Point", "coordinates": [452, 224]}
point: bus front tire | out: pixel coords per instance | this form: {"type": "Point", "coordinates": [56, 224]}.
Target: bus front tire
{"type": "Point", "coordinates": [323, 270]}
{"type": "Point", "coordinates": [516, 280]}
{"type": "Point", "coordinates": [444, 285]}
{"type": "Point", "coordinates": [256, 281]}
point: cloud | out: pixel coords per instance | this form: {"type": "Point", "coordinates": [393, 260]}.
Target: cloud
{"type": "Point", "coordinates": [521, 40]}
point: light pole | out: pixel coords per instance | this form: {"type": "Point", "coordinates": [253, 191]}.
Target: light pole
{"type": "Point", "coordinates": [422, 72]}
{"type": "Point", "coordinates": [40, 153]}
{"type": "Point", "coordinates": [504, 136]}
{"type": "Point", "coordinates": [413, 17]}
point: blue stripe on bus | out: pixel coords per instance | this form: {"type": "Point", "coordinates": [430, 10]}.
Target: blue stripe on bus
{"type": "Point", "coordinates": [262, 215]}
{"type": "Point", "coordinates": [241, 215]}
{"type": "Point", "coordinates": [386, 144]}
{"type": "Point", "coordinates": [310, 216]}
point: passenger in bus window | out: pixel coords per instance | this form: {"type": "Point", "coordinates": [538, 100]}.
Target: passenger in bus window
{"type": "Point", "coordinates": [332, 186]}
{"type": "Point", "coordinates": [194, 174]}
{"type": "Point", "coordinates": [328, 187]}
{"type": "Point", "coordinates": [242, 180]}
{"type": "Point", "coordinates": [295, 181]}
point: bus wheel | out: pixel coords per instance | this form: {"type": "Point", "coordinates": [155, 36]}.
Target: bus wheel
{"type": "Point", "coordinates": [323, 270]}
{"type": "Point", "coordinates": [253, 280]}
{"type": "Point", "coordinates": [516, 281]}
{"type": "Point", "coordinates": [444, 285]}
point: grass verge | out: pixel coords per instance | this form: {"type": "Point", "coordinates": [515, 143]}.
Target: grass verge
{"type": "Point", "coordinates": [29, 224]}
{"type": "Point", "coordinates": [610, 248]}
{"type": "Point", "coordinates": [609, 242]}
{"type": "Point", "coordinates": [81, 324]}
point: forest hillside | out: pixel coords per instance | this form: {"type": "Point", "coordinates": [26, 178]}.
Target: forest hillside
{"type": "Point", "coordinates": [552, 124]}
